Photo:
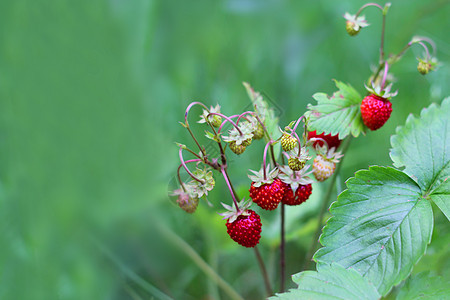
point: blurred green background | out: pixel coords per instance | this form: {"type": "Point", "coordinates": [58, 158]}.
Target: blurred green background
{"type": "Point", "coordinates": [91, 94]}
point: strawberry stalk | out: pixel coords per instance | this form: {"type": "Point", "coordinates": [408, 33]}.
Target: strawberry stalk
{"type": "Point", "coordinates": [265, 158]}
{"type": "Point", "coordinates": [230, 187]}
{"type": "Point", "coordinates": [386, 68]}
{"type": "Point", "coordinates": [178, 171]}
{"type": "Point", "coordinates": [186, 123]}
{"type": "Point", "coordinates": [282, 250]}
{"type": "Point", "coordinates": [226, 119]}
{"type": "Point", "coordinates": [183, 163]}
{"type": "Point", "coordinates": [263, 271]}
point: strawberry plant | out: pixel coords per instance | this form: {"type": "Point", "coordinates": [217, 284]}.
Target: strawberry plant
{"type": "Point", "coordinates": [381, 224]}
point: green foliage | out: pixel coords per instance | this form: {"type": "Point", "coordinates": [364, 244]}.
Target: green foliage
{"type": "Point", "coordinates": [338, 114]}
{"type": "Point", "coordinates": [425, 286]}
{"type": "Point", "coordinates": [380, 227]}
{"type": "Point", "coordinates": [383, 222]}
{"type": "Point", "coordinates": [330, 282]}
{"type": "Point", "coordinates": [422, 147]}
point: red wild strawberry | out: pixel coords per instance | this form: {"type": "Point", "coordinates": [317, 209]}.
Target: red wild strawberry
{"type": "Point", "coordinates": [376, 108]}
{"type": "Point", "coordinates": [297, 185]}
{"type": "Point", "coordinates": [243, 224]}
{"type": "Point", "coordinates": [375, 111]}
{"type": "Point", "coordinates": [301, 195]}
{"type": "Point", "coordinates": [332, 140]}
{"type": "Point", "coordinates": [266, 190]}
{"type": "Point", "coordinates": [246, 229]}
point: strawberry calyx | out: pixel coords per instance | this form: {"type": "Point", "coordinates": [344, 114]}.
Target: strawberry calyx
{"type": "Point", "coordinates": [233, 212]}
{"type": "Point", "coordinates": [263, 176]}
{"type": "Point", "coordinates": [380, 91]}
{"type": "Point", "coordinates": [295, 178]}
{"type": "Point", "coordinates": [329, 154]}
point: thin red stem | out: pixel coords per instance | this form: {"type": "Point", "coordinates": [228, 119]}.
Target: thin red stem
{"type": "Point", "coordinates": [263, 271]}
{"type": "Point", "coordinates": [186, 168]}
{"type": "Point", "coordinates": [282, 249]}
{"type": "Point", "coordinates": [230, 187]}
{"type": "Point", "coordinates": [264, 158]}
{"type": "Point", "coordinates": [226, 119]}
{"type": "Point", "coordinates": [178, 171]}
{"type": "Point", "coordinates": [367, 5]}
{"type": "Point", "coordinates": [386, 69]}
{"type": "Point", "coordinates": [296, 123]}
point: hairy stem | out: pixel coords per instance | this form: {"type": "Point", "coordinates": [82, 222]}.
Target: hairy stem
{"type": "Point", "coordinates": [227, 119]}
{"type": "Point", "coordinates": [383, 26]}
{"type": "Point", "coordinates": [186, 168]}
{"type": "Point", "coordinates": [230, 186]}
{"type": "Point", "coordinates": [187, 123]}
{"type": "Point", "coordinates": [367, 5]}
{"type": "Point", "coordinates": [178, 172]}
{"type": "Point", "coordinates": [323, 209]}
{"type": "Point", "coordinates": [263, 271]}
{"type": "Point", "coordinates": [282, 250]}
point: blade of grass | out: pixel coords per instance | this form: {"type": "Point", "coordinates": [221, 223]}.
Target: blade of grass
{"type": "Point", "coordinates": [146, 286]}
{"type": "Point", "coordinates": [189, 251]}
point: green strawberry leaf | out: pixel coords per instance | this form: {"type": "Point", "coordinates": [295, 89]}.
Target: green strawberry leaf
{"type": "Point", "coordinates": [381, 226]}
{"type": "Point", "coordinates": [330, 282]}
{"type": "Point", "coordinates": [422, 146]}
{"type": "Point", "coordinates": [424, 286]}
{"type": "Point", "coordinates": [338, 114]}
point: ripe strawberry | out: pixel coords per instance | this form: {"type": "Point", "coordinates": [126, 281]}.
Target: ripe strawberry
{"type": "Point", "coordinates": [268, 195]}
{"type": "Point", "coordinates": [301, 195]}
{"type": "Point", "coordinates": [375, 111]}
{"type": "Point", "coordinates": [246, 229]}
{"type": "Point", "coordinates": [325, 163]}
{"type": "Point", "coordinates": [288, 142]}
{"type": "Point", "coordinates": [243, 224]}
{"type": "Point", "coordinates": [297, 185]}
{"type": "Point", "coordinates": [332, 140]}
{"type": "Point", "coordinates": [266, 191]}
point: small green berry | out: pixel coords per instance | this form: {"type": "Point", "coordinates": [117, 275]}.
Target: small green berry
{"type": "Point", "coordinates": [295, 164]}
{"type": "Point", "coordinates": [350, 27]}
{"type": "Point", "coordinates": [423, 67]}
{"type": "Point", "coordinates": [238, 149]}
{"type": "Point", "coordinates": [259, 132]}
{"type": "Point", "coordinates": [288, 142]}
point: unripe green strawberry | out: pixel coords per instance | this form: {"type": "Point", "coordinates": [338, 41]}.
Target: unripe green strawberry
{"type": "Point", "coordinates": [288, 142]}
{"type": "Point", "coordinates": [375, 111]}
{"type": "Point", "coordinates": [238, 149]}
{"type": "Point", "coordinates": [259, 132]}
{"type": "Point", "coordinates": [216, 121]}
{"type": "Point", "coordinates": [247, 142]}
{"type": "Point", "coordinates": [351, 28]}
{"type": "Point", "coordinates": [323, 168]}
{"type": "Point", "coordinates": [423, 67]}
{"type": "Point", "coordinates": [295, 164]}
